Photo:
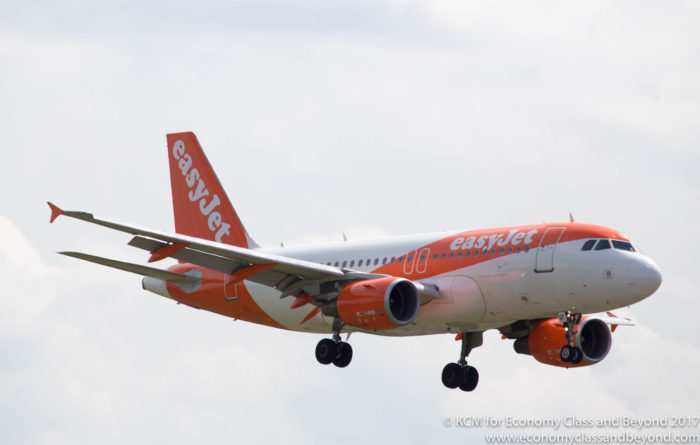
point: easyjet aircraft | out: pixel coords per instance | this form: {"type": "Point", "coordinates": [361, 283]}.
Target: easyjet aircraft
{"type": "Point", "coordinates": [532, 282]}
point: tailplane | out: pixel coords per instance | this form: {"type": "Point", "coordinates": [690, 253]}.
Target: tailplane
{"type": "Point", "coordinates": [200, 204]}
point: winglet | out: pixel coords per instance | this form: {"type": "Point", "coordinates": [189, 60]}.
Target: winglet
{"type": "Point", "coordinates": [55, 211]}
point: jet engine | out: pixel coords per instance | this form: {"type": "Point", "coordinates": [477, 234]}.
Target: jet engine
{"type": "Point", "coordinates": [380, 303]}
{"type": "Point", "coordinates": [545, 340]}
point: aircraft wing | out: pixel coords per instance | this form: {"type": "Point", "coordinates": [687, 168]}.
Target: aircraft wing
{"type": "Point", "coordinates": [146, 271]}
{"type": "Point", "coordinates": [288, 275]}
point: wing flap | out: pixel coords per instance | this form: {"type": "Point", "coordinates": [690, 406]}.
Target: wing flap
{"type": "Point", "coordinates": [135, 268]}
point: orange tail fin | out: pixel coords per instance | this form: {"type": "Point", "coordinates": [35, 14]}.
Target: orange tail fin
{"type": "Point", "coordinates": [200, 204]}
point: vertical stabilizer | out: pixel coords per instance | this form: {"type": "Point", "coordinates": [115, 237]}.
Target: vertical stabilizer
{"type": "Point", "coordinates": [200, 204]}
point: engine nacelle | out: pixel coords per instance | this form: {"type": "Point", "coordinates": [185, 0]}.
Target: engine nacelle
{"type": "Point", "coordinates": [545, 340]}
{"type": "Point", "coordinates": [380, 303]}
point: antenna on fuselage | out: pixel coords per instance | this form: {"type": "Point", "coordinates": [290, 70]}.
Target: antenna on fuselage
{"type": "Point", "coordinates": [345, 237]}
{"type": "Point", "coordinates": [571, 217]}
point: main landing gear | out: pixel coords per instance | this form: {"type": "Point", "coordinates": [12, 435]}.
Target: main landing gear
{"type": "Point", "coordinates": [460, 374]}
{"type": "Point", "coordinates": [570, 353]}
{"type": "Point", "coordinates": [334, 350]}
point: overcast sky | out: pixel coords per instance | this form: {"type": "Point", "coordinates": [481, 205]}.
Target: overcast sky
{"type": "Point", "coordinates": [369, 118]}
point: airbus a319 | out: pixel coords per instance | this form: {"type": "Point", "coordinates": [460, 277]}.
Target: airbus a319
{"type": "Point", "coordinates": [537, 284]}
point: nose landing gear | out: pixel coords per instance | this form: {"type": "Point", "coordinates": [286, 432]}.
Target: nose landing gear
{"type": "Point", "coordinates": [460, 374]}
{"type": "Point", "coordinates": [570, 353]}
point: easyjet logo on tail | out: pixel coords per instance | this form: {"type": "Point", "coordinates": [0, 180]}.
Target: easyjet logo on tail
{"type": "Point", "coordinates": [199, 192]}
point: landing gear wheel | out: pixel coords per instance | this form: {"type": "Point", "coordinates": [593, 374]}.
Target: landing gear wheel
{"type": "Point", "coordinates": [344, 355]}
{"type": "Point", "coordinates": [326, 351]}
{"type": "Point", "coordinates": [578, 355]}
{"type": "Point", "coordinates": [471, 379]}
{"type": "Point", "coordinates": [460, 375]}
{"type": "Point", "coordinates": [567, 353]}
{"type": "Point", "coordinates": [452, 375]}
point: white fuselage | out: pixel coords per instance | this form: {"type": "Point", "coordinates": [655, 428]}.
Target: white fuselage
{"type": "Point", "coordinates": [502, 288]}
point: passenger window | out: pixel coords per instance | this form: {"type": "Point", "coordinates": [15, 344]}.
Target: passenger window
{"type": "Point", "coordinates": [376, 261]}
{"type": "Point", "coordinates": [345, 263]}
{"type": "Point", "coordinates": [352, 263]}
{"type": "Point", "coordinates": [476, 253]}
{"type": "Point", "coordinates": [400, 259]}
{"type": "Point", "coordinates": [422, 257]}
{"type": "Point", "coordinates": [517, 250]}
{"type": "Point", "coordinates": [510, 249]}
{"type": "Point", "coordinates": [588, 245]}
{"type": "Point", "coordinates": [452, 255]}
{"type": "Point", "coordinates": [527, 249]}
{"type": "Point", "coordinates": [410, 258]}
{"type": "Point", "coordinates": [501, 251]}
{"type": "Point", "coordinates": [622, 245]}
{"type": "Point", "coordinates": [443, 256]}
{"type": "Point", "coordinates": [435, 257]}
{"type": "Point", "coordinates": [336, 264]}
{"type": "Point", "coordinates": [459, 255]}
{"type": "Point", "coordinates": [359, 263]}
{"type": "Point", "coordinates": [392, 260]}
{"type": "Point", "coordinates": [468, 254]}
{"type": "Point", "coordinates": [384, 260]}
{"type": "Point", "coordinates": [602, 245]}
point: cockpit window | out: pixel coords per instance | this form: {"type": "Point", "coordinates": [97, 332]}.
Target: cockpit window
{"type": "Point", "coordinates": [588, 245]}
{"type": "Point", "coordinates": [602, 245]}
{"type": "Point", "coordinates": [623, 245]}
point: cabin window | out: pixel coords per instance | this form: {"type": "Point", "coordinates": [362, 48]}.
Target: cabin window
{"type": "Point", "coordinates": [452, 255]}
{"type": "Point", "coordinates": [588, 245]}
{"type": "Point", "coordinates": [443, 256]}
{"type": "Point", "coordinates": [352, 263]}
{"type": "Point", "coordinates": [510, 249]}
{"type": "Point", "coordinates": [345, 263]}
{"type": "Point", "coordinates": [467, 254]}
{"type": "Point", "coordinates": [392, 260]}
{"type": "Point", "coordinates": [476, 253]}
{"type": "Point", "coordinates": [400, 259]}
{"type": "Point", "coordinates": [459, 255]}
{"type": "Point", "coordinates": [359, 263]}
{"type": "Point", "coordinates": [384, 260]}
{"type": "Point", "coordinates": [376, 261]}
{"type": "Point", "coordinates": [336, 264]}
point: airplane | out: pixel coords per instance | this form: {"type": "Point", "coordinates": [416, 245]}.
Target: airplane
{"type": "Point", "coordinates": [549, 287]}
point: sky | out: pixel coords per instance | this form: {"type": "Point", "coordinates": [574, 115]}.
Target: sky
{"type": "Point", "coordinates": [323, 118]}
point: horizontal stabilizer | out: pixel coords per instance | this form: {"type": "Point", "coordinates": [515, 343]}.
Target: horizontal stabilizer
{"type": "Point", "coordinates": [135, 268]}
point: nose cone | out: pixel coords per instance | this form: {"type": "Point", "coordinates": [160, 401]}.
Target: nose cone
{"type": "Point", "coordinates": [648, 278]}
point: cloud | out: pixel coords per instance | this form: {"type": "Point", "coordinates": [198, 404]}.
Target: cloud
{"type": "Point", "coordinates": [357, 117]}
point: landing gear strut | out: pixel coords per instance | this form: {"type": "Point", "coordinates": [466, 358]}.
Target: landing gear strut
{"type": "Point", "coordinates": [334, 350]}
{"type": "Point", "coordinates": [570, 353]}
{"type": "Point", "coordinates": [460, 374]}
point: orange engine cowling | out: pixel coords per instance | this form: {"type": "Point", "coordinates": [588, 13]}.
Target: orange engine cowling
{"type": "Point", "coordinates": [380, 303]}
{"type": "Point", "coordinates": [545, 340]}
